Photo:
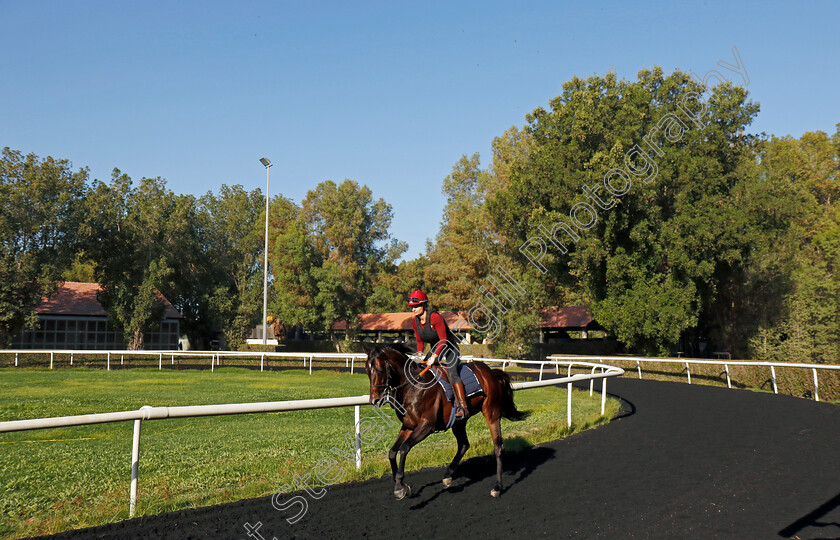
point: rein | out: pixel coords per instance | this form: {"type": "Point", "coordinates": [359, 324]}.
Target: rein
{"type": "Point", "coordinates": [390, 386]}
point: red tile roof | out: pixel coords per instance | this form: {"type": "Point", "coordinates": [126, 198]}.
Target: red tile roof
{"type": "Point", "coordinates": [570, 317]}
{"type": "Point", "coordinates": [76, 298]}
{"type": "Point", "coordinates": [567, 317]}
{"type": "Point", "coordinates": [397, 322]}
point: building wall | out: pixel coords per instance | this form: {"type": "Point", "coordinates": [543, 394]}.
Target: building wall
{"type": "Point", "coordinates": [73, 332]}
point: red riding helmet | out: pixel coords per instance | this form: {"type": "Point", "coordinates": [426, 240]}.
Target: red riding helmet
{"type": "Point", "coordinates": [417, 298]}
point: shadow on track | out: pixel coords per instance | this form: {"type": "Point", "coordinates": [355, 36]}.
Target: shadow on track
{"type": "Point", "coordinates": [796, 528]}
{"type": "Point", "coordinates": [521, 464]}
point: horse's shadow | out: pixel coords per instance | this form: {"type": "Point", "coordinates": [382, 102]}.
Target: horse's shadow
{"type": "Point", "coordinates": [520, 460]}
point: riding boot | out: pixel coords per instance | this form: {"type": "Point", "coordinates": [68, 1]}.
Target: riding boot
{"type": "Point", "coordinates": [461, 399]}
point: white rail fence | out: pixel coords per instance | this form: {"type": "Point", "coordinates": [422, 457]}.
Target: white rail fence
{"type": "Point", "coordinates": [213, 357]}
{"type": "Point", "coordinates": [190, 411]}
{"type": "Point", "coordinates": [687, 362]}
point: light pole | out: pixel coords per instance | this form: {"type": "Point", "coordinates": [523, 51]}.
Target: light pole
{"type": "Point", "coordinates": [267, 164]}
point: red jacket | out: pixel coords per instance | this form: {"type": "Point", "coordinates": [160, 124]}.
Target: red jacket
{"type": "Point", "coordinates": [442, 331]}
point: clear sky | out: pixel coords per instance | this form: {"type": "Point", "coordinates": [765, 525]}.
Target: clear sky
{"type": "Point", "coordinates": [387, 95]}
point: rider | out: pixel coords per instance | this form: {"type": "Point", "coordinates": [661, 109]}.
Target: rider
{"type": "Point", "coordinates": [430, 327]}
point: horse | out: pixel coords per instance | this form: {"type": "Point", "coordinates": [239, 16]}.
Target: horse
{"type": "Point", "coordinates": [422, 407]}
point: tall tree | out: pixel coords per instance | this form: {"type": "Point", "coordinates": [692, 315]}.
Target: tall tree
{"type": "Point", "coordinates": [232, 234]}
{"type": "Point", "coordinates": [647, 256]}
{"type": "Point", "coordinates": [462, 253]}
{"type": "Point", "coordinates": [328, 252]}
{"type": "Point", "coordinates": [39, 218]}
{"type": "Point", "coordinates": [143, 242]}
{"type": "Point", "coordinates": [800, 321]}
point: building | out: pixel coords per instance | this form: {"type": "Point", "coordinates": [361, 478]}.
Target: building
{"type": "Point", "coordinates": [73, 318]}
{"type": "Point", "coordinates": [555, 325]}
{"type": "Point", "coordinates": [397, 326]}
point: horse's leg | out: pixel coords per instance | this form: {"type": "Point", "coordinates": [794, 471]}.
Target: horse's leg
{"type": "Point", "coordinates": [392, 454]}
{"type": "Point", "coordinates": [420, 432]}
{"type": "Point", "coordinates": [495, 425]}
{"type": "Point", "coordinates": [459, 429]}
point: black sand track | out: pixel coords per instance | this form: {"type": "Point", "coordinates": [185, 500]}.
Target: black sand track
{"type": "Point", "coordinates": [683, 462]}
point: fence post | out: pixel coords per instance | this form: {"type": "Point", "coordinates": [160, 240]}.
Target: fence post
{"type": "Point", "coordinates": [773, 376]}
{"type": "Point", "coordinates": [603, 393]}
{"type": "Point", "coordinates": [541, 369]}
{"type": "Point", "coordinates": [688, 370]}
{"type": "Point", "coordinates": [51, 359]}
{"type": "Point", "coordinates": [173, 359]}
{"type": "Point", "coordinates": [212, 362]}
{"type": "Point", "coordinates": [310, 364]}
{"type": "Point", "coordinates": [352, 361]}
{"type": "Point", "coordinates": [728, 381]}
{"type": "Point", "coordinates": [135, 465]}
{"type": "Point", "coordinates": [358, 439]}
{"type": "Point", "coordinates": [71, 359]}
{"type": "Point", "coordinates": [108, 363]}
{"type": "Point", "coordinates": [16, 359]}
{"type": "Point", "coordinates": [122, 359]}
{"type": "Point", "coordinates": [639, 366]}
{"type": "Point", "coordinates": [569, 404]}
{"type": "Point", "coordinates": [816, 393]}
{"type": "Point", "coordinates": [262, 361]}
{"type": "Point", "coordinates": [160, 361]}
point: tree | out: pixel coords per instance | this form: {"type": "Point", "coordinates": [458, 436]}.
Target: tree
{"type": "Point", "coordinates": [801, 319]}
{"type": "Point", "coordinates": [143, 242]}
{"type": "Point", "coordinates": [462, 252]}
{"type": "Point", "coordinates": [39, 217]}
{"type": "Point", "coordinates": [328, 252]}
{"type": "Point", "coordinates": [232, 234]}
{"type": "Point", "coordinates": [392, 284]}
{"type": "Point", "coordinates": [649, 255]}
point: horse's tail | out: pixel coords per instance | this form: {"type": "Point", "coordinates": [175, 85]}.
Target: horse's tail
{"type": "Point", "coordinates": [509, 410]}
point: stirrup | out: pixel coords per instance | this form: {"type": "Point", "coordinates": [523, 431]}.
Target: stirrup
{"type": "Point", "coordinates": [462, 413]}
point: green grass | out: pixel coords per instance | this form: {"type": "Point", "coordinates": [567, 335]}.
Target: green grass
{"type": "Point", "coordinates": [57, 479]}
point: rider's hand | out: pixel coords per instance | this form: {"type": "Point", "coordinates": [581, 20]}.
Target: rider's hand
{"type": "Point", "coordinates": [431, 360]}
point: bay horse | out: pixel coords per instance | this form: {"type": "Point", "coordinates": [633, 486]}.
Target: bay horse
{"type": "Point", "coordinates": [422, 407]}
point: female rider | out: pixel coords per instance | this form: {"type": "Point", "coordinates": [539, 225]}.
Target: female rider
{"type": "Point", "coordinates": [431, 328]}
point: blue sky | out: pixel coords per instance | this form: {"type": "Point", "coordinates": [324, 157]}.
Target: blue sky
{"type": "Point", "coordinates": [390, 96]}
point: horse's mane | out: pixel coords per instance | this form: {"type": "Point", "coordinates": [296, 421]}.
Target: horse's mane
{"type": "Point", "coordinates": [401, 348]}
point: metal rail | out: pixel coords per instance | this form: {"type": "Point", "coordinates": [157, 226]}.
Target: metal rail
{"type": "Point", "coordinates": [725, 363]}
{"type": "Point", "coordinates": [214, 357]}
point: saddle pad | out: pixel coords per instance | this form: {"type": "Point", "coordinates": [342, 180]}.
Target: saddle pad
{"type": "Point", "coordinates": [471, 384]}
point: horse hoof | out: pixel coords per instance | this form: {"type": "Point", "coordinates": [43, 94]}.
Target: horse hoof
{"type": "Point", "coordinates": [401, 494]}
{"type": "Point", "coordinates": [495, 493]}
{"type": "Point", "coordinates": [447, 482]}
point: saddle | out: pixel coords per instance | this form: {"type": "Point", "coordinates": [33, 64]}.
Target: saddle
{"type": "Point", "coordinates": [471, 385]}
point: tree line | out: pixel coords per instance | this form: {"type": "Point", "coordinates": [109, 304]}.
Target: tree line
{"type": "Point", "coordinates": [204, 254]}
{"type": "Point", "coordinates": [647, 200]}
{"type": "Point", "coordinates": [697, 234]}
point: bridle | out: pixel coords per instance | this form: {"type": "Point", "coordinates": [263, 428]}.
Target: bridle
{"type": "Point", "coordinates": [387, 377]}
{"type": "Point", "coordinates": [390, 390]}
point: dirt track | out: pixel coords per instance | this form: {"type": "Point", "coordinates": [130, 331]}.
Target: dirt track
{"type": "Point", "coordinates": [682, 462]}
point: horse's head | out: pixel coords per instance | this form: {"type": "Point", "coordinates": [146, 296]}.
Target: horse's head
{"type": "Point", "coordinates": [381, 369]}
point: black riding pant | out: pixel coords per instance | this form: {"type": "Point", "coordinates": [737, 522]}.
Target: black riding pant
{"type": "Point", "coordinates": [451, 360]}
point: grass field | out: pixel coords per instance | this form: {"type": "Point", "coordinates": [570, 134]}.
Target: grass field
{"type": "Point", "coordinates": [57, 479]}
